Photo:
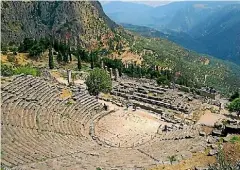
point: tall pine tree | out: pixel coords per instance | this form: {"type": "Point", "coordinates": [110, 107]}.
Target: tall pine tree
{"type": "Point", "coordinates": [65, 52]}
{"type": "Point", "coordinates": [50, 56]}
{"type": "Point", "coordinates": [79, 55]}
{"type": "Point", "coordinates": [69, 53]}
{"type": "Point", "coordinates": [92, 61]}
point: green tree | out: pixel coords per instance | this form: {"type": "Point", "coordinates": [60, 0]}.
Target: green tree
{"type": "Point", "coordinates": [59, 57]}
{"type": "Point", "coordinates": [162, 80]}
{"type": "Point", "coordinates": [234, 96]}
{"type": "Point", "coordinates": [98, 81]}
{"type": "Point", "coordinates": [69, 52]}
{"type": "Point", "coordinates": [92, 59]}
{"type": "Point", "coordinates": [234, 106]}
{"type": "Point", "coordinates": [79, 55]}
{"type": "Point", "coordinates": [56, 45]}
{"type": "Point", "coordinates": [13, 49]}
{"type": "Point", "coordinates": [6, 70]}
{"type": "Point", "coordinates": [27, 44]}
{"type": "Point", "coordinates": [65, 57]}
{"type": "Point", "coordinates": [36, 50]}
{"type": "Point", "coordinates": [50, 56]}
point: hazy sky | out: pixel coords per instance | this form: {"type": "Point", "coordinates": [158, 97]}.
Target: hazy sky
{"type": "Point", "coordinates": [156, 2]}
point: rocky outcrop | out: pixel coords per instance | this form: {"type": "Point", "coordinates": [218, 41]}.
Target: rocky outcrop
{"type": "Point", "coordinates": [81, 21]}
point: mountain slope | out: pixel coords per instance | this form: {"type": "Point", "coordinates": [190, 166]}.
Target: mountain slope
{"type": "Point", "coordinates": [86, 25]}
{"type": "Point", "coordinates": [206, 27]}
{"type": "Point", "coordinates": [83, 20]}
{"type": "Point", "coordinates": [220, 33]}
{"type": "Point", "coordinates": [178, 37]}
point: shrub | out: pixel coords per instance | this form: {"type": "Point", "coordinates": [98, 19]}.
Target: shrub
{"type": "Point", "coordinates": [234, 96]}
{"type": "Point", "coordinates": [6, 70]}
{"type": "Point", "coordinates": [234, 106]}
{"type": "Point", "coordinates": [27, 70]}
{"type": "Point", "coordinates": [222, 163]}
{"type": "Point", "coordinates": [98, 81]}
{"type": "Point", "coordinates": [162, 80]}
{"type": "Point", "coordinates": [13, 49]}
{"type": "Point", "coordinates": [235, 139]}
{"type": "Point", "coordinates": [172, 158]}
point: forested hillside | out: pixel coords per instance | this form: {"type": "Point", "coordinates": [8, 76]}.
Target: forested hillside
{"type": "Point", "coordinates": [84, 25]}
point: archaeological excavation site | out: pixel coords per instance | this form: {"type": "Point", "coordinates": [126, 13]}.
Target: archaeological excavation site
{"type": "Point", "coordinates": [79, 91]}
{"type": "Point", "coordinates": [138, 125]}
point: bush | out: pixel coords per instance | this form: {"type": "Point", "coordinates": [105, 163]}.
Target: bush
{"type": "Point", "coordinates": [234, 106]}
{"type": "Point", "coordinates": [98, 81]}
{"type": "Point", "coordinates": [13, 49]}
{"type": "Point", "coordinates": [162, 80]}
{"type": "Point", "coordinates": [235, 139]}
{"type": "Point", "coordinates": [36, 50]}
{"type": "Point", "coordinates": [27, 70]}
{"type": "Point", "coordinates": [222, 163]}
{"type": "Point", "coordinates": [4, 49]}
{"type": "Point", "coordinates": [234, 96]}
{"type": "Point", "coordinates": [6, 70]}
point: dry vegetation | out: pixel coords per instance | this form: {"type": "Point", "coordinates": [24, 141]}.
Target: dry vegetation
{"type": "Point", "coordinates": [66, 93]}
{"type": "Point", "coordinates": [232, 149]}
{"type": "Point", "coordinates": [198, 160]}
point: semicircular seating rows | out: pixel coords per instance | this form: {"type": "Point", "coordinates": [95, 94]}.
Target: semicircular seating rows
{"type": "Point", "coordinates": [35, 119]}
{"type": "Point", "coordinates": [39, 128]}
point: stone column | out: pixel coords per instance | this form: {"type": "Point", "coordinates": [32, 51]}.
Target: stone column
{"type": "Point", "coordinates": [111, 72]}
{"type": "Point", "coordinates": [102, 65]}
{"type": "Point", "coordinates": [69, 76]}
{"type": "Point", "coordinates": [106, 68]}
{"type": "Point", "coordinates": [116, 74]}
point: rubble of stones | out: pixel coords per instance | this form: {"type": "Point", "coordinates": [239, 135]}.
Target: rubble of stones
{"type": "Point", "coordinates": [156, 99]}
{"type": "Point", "coordinates": [225, 127]}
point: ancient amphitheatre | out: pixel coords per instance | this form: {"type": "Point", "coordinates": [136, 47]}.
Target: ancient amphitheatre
{"type": "Point", "coordinates": [49, 121]}
{"type": "Point", "coordinates": [43, 129]}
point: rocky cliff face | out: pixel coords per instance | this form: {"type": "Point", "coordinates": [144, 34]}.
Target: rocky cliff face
{"type": "Point", "coordinates": [81, 21]}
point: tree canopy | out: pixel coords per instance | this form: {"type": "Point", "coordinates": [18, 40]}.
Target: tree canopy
{"type": "Point", "coordinates": [234, 106]}
{"type": "Point", "coordinates": [234, 96]}
{"type": "Point", "coordinates": [98, 81]}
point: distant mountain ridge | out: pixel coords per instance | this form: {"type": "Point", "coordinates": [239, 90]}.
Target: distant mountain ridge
{"type": "Point", "coordinates": [211, 27]}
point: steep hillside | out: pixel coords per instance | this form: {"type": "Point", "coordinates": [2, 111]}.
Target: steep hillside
{"type": "Point", "coordinates": [85, 24]}
{"type": "Point", "coordinates": [82, 22]}
{"type": "Point", "coordinates": [180, 38]}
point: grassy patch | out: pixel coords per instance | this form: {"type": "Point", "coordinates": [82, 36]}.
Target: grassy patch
{"type": "Point", "coordinates": [9, 70]}
{"type": "Point", "coordinates": [235, 139]}
{"type": "Point", "coordinates": [66, 94]}
{"type": "Point", "coordinates": [27, 70]}
{"type": "Point", "coordinates": [198, 159]}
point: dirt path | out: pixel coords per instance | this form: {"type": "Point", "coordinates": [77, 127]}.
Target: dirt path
{"type": "Point", "coordinates": [209, 118]}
